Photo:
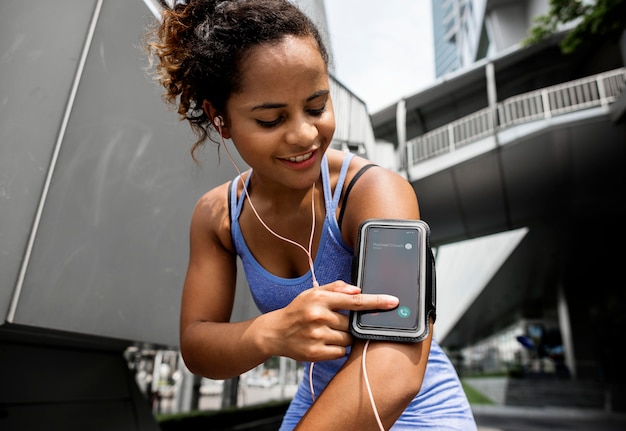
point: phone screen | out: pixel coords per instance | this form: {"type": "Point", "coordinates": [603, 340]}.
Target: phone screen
{"type": "Point", "coordinates": [390, 265]}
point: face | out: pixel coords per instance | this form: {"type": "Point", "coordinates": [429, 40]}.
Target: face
{"type": "Point", "coordinates": [282, 120]}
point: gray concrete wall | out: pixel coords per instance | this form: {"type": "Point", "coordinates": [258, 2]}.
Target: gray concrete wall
{"type": "Point", "coordinates": [96, 183]}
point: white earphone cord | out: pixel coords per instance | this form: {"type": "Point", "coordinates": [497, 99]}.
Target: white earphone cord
{"type": "Point", "coordinates": [218, 123]}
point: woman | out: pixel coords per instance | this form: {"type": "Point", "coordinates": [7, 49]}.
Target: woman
{"type": "Point", "coordinates": [256, 72]}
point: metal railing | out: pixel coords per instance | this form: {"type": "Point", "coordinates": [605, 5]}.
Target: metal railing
{"type": "Point", "coordinates": [592, 91]}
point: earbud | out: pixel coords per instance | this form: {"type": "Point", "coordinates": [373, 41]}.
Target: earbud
{"type": "Point", "coordinates": [218, 121]}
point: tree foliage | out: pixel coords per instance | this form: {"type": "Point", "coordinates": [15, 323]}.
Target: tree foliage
{"type": "Point", "coordinates": [593, 22]}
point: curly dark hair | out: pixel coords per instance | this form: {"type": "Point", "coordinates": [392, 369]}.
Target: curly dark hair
{"type": "Point", "coordinates": [198, 46]}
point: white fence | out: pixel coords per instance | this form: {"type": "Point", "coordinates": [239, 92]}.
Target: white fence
{"type": "Point", "coordinates": [597, 90]}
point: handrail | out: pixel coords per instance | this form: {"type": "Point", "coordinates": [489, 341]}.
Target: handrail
{"type": "Point", "coordinates": [592, 91]}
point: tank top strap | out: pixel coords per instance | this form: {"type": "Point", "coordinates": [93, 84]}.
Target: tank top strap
{"type": "Point", "coordinates": [235, 203]}
{"type": "Point", "coordinates": [342, 178]}
{"type": "Point", "coordinates": [326, 183]}
{"type": "Point", "coordinates": [332, 197]}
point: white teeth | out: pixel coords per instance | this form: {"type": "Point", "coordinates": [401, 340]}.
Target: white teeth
{"type": "Point", "coordinates": [300, 158]}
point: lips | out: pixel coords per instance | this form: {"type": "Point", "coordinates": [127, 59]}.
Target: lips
{"type": "Point", "coordinates": [300, 158]}
{"type": "Point", "coordinates": [302, 161]}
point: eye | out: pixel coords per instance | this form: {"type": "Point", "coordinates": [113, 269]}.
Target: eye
{"type": "Point", "coordinates": [317, 112]}
{"type": "Point", "coordinates": [269, 124]}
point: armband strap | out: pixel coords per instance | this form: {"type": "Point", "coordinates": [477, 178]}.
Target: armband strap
{"type": "Point", "coordinates": [431, 286]}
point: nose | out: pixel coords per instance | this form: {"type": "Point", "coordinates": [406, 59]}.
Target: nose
{"type": "Point", "coordinates": [303, 132]}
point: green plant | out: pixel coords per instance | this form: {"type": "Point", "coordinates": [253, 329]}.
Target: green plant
{"type": "Point", "coordinates": [475, 397]}
{"type": "Point", "coordinates": [601, 20]}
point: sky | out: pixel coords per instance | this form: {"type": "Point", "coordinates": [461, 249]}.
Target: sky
{"type": "Point", "coordinates": [382, 50]}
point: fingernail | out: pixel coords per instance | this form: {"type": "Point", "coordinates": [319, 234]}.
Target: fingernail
{"type": "Point", "coordinates": [392, 301]}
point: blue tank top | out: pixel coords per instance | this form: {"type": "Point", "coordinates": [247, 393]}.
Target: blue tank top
{"type": "Point", "coordinates": [332, 262]}
{"type": "Point", "coordinates": [441, 403]}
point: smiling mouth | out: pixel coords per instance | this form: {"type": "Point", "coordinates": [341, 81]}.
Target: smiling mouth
{"type": "Point", "coordinates": [301, 158]}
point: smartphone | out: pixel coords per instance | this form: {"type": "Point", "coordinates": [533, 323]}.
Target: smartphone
{"type": "Point", "coordinates": [394, 257]}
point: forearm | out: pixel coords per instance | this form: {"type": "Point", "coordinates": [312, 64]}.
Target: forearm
{"type": "Point", "coordinates": [395, 373]}
{"type": "Point", "coordinates": [220, 350]}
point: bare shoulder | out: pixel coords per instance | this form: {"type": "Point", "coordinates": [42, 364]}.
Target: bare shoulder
{"type": "Point", "coordinates": [384, 184]}
{"type": "Point", "coordinates": [211, 216]}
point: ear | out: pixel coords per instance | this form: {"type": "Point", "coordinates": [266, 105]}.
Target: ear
{"type": "Point", "coordinates": [217, 120]}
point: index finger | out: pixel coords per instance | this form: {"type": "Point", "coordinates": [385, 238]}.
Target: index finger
{"type": "Point", "coordinates": [368, 301]}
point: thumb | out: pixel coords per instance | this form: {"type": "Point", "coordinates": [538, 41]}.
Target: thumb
{"type": "Point", "coordinates": [340, 286]}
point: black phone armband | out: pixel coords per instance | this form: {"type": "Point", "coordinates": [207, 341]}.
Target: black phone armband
{"type": "Point", "coordinates": [395, 257]}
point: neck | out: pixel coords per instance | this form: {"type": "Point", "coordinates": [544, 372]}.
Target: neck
{"type": "Point", "coordinates": [275, 198]}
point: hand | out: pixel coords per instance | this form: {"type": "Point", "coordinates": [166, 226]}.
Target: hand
{"type": "Point", "coordinates": [313, 328]}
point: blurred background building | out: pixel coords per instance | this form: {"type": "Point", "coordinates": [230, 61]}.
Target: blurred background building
{"type": "Point", "coordinates": [515, 152]}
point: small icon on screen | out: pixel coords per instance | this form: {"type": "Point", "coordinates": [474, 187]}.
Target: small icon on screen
{"type": "Point", "coordinates": [408, 246]}
{"type": "Point", "coordinates": [404, 312]}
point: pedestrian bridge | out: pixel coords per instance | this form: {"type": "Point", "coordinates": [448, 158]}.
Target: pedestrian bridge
{"type": "Point", "coordinates": [598, 90]}
{"type": "Point", "coordinates": [493, 169]}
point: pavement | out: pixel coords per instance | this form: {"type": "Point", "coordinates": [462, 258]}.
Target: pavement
{"type": "Point", "coordinates": [502, 417]}
{"type": "Point", "coordinates": [497, 417]}
{"type": "Point", "coordinates": [511, 418]}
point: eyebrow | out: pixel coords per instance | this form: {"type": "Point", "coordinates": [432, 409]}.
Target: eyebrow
{"type": "Point", "coordinates": [270, 105]}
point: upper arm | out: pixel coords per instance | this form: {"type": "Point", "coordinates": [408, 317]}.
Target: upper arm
{"type": "Point", "coordinates": [378, 194]}
{"type": "Point", "coordinates": [209, 288]}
